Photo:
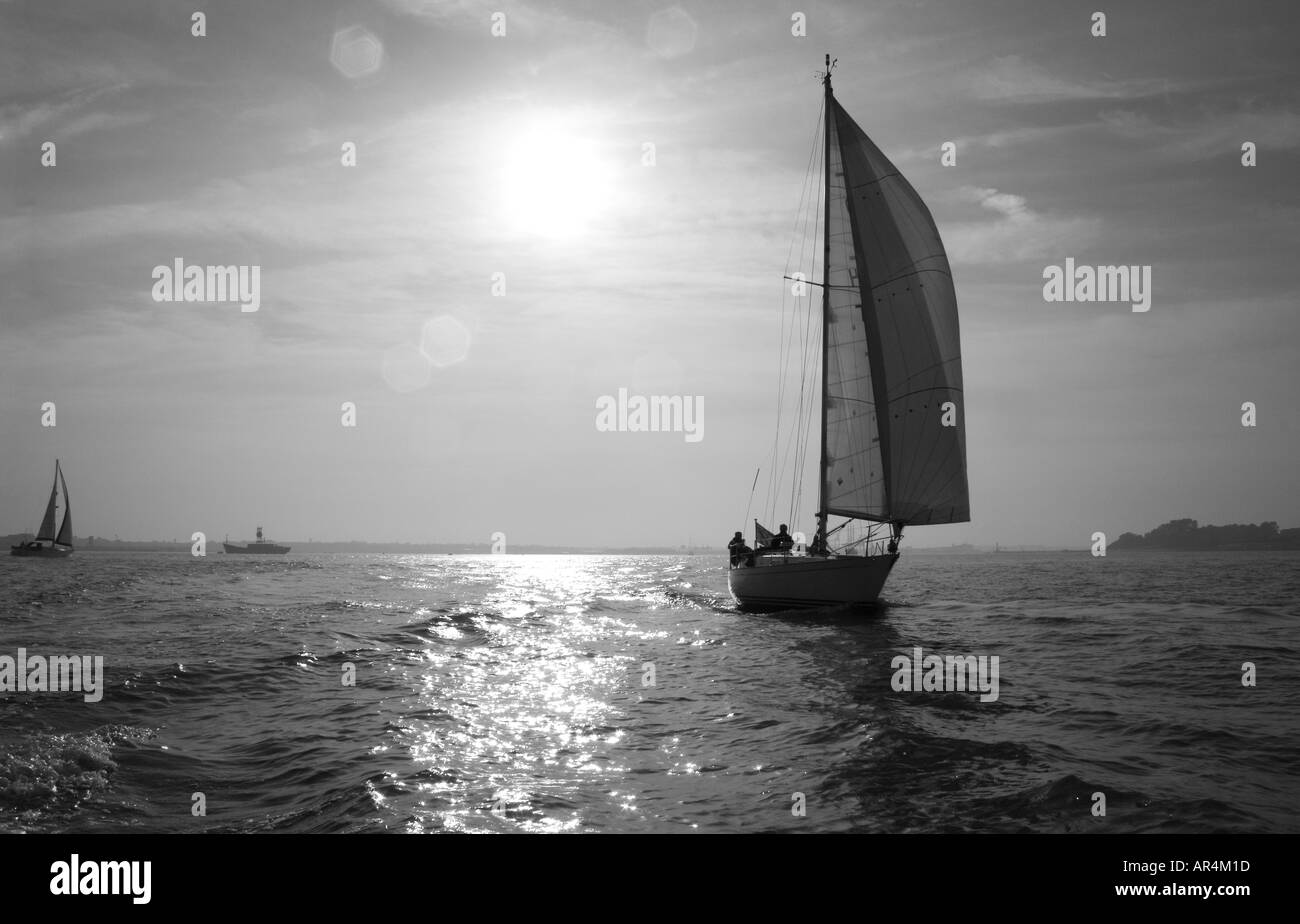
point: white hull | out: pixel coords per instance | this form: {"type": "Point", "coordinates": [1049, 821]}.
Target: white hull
{"type": "Point", "coordinates": [788, 581]}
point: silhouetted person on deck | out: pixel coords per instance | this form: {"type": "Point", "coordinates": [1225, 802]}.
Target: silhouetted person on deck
{"type": "Point", "coordinates": [782, 541]}
{"type": "Point", "coordinates": [739, 551]}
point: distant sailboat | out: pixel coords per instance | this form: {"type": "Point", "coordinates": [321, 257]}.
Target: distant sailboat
{"type": "Point", "coordinates": [260, 547]}
{"type": "Point", "coordinates": [60, 545]}
{"type": "Point", "coordinates": [893, 446]}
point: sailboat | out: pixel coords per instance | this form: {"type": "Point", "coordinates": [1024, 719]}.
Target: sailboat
{"type": "Point", "coordinates": [893, 446]}
{"type": "Point", "coordinates": [60, 545]}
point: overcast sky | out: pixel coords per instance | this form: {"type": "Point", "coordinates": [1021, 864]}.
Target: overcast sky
{"type": "Point", "coordinates": [523, 154]}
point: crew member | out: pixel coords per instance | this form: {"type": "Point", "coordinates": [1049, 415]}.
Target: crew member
{"type": "Point", "coordinates": [739, 551]}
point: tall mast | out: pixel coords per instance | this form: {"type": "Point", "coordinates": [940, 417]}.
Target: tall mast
{"type": "Point", "coordinates": [826, 298]}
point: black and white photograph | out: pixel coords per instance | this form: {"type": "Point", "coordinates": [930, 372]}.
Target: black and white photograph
{"type": "Point", "coordinates": [869, 418]}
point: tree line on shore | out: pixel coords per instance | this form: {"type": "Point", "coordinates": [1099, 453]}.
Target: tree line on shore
{"type": "Point", "coordinates": [1186, 534]}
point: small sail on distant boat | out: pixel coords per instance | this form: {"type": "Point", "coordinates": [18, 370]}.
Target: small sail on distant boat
{"type": "Point", "coordinates": [893, 444]}
{"type": "Point", "coordinates": [60, 544]}
{"type": "Point", "coordinates": [259, 547]}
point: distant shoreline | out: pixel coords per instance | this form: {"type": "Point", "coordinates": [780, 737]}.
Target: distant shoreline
{"type": "Point", "coordinates": [96, 544]}
{"type": "Point", "coordinates": [1174, 536]}
{"type": "Point", "coordinates": [1186, 535]}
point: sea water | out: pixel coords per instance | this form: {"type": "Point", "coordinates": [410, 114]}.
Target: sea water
{"type": "Point", "coordinates": [424, 693]}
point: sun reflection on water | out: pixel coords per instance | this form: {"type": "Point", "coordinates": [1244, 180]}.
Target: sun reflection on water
{"type": "Point", "coordinates": [533, 700]}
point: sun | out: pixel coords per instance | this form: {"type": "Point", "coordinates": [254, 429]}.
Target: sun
{"type": "Point", "coordinates": [555, 181]}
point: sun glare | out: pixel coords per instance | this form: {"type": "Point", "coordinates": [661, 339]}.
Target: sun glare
{"type": "Point", "coordinates": [554, 182]}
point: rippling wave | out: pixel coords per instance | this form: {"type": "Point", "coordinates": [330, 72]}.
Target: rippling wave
{"type": "Point", "coordinates": [349, 693]}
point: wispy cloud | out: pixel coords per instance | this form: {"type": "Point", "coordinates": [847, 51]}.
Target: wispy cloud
{"type": "Point", "coordinates": [445, 10]}
{"type": "Point", "coordinates": [1209, 134]}
{"type": "Point", "coordinates": [1017, 233]}
{"type": "Point", "coordinates": [477, 15]}
{"type": "Point", "coordinates": [1013, 79]}
{"type": "Point", "coordinates": [65, 116]}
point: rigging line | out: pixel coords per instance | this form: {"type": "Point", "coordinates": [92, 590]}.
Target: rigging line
{"type": "Point", "coordinates": [815, 354]}
{"type": "Point", "coordinates": [804, 407]}
{"type": "Point", "coordinates": [780, 389]}
{"type": "Point", "coordinates": [800, 421]}
{"type": "Point", "coordinates": [776, 477]}
{"type": "Point", "coordinates": [814, 374]}
{"type": "Point", "coordinates": [812, 365]}
{"type": "Point", "coordinates": [806, 401]}
{"type": "Point", "coordinates": [784, 354]}
{"type": "Point", "coordinates": [822, 285]}
{"type": "Point", "coordinates": [745, 521]}
{"type": "Point", "coordinates": [781, 448]}
{"type": "Point", "coordinates": [808, 178]}
{"type": "Point", "coordinates": [809, 393]}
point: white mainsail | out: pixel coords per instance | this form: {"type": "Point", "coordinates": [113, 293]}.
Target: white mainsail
{"type": "Point", "coordinates": [853, 466]}
{"type": "Point", "coordinates": [65, 531]}
{"type": "Point", "coordinates": [893, 356]}
{"type": "Point", "coordinates": [46, 531]}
